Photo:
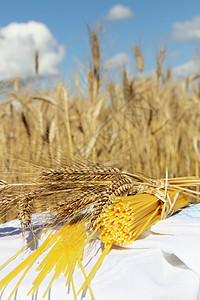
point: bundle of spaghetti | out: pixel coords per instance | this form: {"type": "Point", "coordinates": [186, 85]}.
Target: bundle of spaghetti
{"type": "Point", "coordinates": [90, 203]}
{"type": "Point", "coordinates": [124, 220]}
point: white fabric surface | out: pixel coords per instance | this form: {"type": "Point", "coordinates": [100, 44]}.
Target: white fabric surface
{"type": "Point", "coordinates": [185, 222]}
{"type": "Point", "coordinates": [158, 266]}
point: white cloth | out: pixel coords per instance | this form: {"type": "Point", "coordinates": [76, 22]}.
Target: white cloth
{"type": "Point", "coordinates": [156, 267]}
{"type": "Point", "coordinates": [185, 222]}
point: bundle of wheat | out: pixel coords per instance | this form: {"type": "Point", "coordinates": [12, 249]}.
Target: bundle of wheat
{"type": "Point", "coordinates": [87, 202]}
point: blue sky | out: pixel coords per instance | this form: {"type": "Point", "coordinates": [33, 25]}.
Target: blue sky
{"type": "Point", "coordinates": [149, 24]}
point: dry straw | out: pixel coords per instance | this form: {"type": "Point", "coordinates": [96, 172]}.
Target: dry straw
{"type": "Point", "coordinates": [89, 202]}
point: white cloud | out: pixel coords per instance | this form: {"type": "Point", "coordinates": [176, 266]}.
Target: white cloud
{"type": "Point", "coordinates": [189, 69]}
{"type": "Point", "coordinates": [187, 31]}
{"type": "Point", "coordinates": [18, 43]}
{"type": "Point", "coordinates": [119, 12]}
{"type": "Point", "coordinates": [117, 61]}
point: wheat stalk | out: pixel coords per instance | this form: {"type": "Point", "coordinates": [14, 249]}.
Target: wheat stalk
{"type": "Point", "coordinates": [159, 63]}
{"type": "Point", "coordinates": [139, 59]}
